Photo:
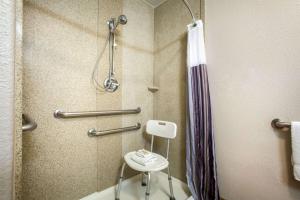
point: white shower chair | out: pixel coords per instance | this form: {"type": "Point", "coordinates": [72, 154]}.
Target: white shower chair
{"type": "Point", "coordinates": [158, 128]}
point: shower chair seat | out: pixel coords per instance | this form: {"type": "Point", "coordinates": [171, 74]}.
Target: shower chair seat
{"type": "Point", "coordinates": [159, 164]}
{"type": "Point", "coordinates": [162, 129]}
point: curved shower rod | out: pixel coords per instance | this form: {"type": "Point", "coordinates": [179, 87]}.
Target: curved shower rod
{"type": "Point", "coordinates": [186, 3]}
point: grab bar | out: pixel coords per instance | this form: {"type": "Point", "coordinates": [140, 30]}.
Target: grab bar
{"type": "Point", "coordinates": [27, 123]}
{"type": "Point", "coordinates": [93, 132]}
{"type": "Point", "coordinates": [61, 114]}
{"type": "Point", "coordinates": [276, 123]}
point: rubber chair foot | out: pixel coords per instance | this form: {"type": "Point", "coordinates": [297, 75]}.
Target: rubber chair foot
{"type": "Point", "coordinates": [172, 198]}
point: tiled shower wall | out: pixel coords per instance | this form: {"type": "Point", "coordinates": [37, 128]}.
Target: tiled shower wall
{"type": "Point", "coordinates": [170, 22]}
{"type": "Point", "coordinates": [60, 47]}
{"type": "Point", "coordinates": [61, 43]}
{"type": "Point", "coordinates": [109, 148]}
{"type": "Point", "coordinates": [137, 42]}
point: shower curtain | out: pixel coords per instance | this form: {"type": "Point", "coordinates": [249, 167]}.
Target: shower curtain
{"type": "Point", "coordinates": [200, 151]}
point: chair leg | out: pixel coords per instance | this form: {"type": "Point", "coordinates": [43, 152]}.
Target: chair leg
{"type": "Point", "coordinates": [120, 182]}
{"type": "Point", "coordinates": [170, 185]}
{"type": "Point", "coordinates": [143, 180]}
{"type": "Point", "coordinates": [148, 186]}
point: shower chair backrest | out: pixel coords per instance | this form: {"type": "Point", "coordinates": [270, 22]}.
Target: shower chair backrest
{"type": "Point", "coordinates": [162, 129]}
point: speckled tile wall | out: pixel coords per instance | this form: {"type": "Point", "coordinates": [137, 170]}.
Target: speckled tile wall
{"type": "Point", "coordinates": [170, 21]}
{"type": "Point", "coordinates": [60, 47]}
{"type": "Point", "coordinates": [18, 103]}
{"type": "Point", "coordinates": [109, 148]}
{"type": "Point", "coordinates": [137, 43]}
{"type": "Point", "coordinates": [61, 43]}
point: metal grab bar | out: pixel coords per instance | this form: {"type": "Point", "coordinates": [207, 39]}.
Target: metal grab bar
{"type": "Point", "coordinates": [276, 123]}
{"type": "Point", "coordinates": [61, 114]}
{"type": "Point", "coordinates": [93, 132]}
{"type": "Point", "coordinates": [27, 123]}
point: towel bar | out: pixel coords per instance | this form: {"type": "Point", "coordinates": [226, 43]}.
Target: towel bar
{"type": "Point", "coordinates": [61, 114]}
{"type": "Point", "coordinates": [276, 123]}
{"type": "Point", "coordinates": [93, 132]}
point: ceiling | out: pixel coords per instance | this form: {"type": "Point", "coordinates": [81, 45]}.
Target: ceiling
{"type": "Point", "coordinates": [155, 3]}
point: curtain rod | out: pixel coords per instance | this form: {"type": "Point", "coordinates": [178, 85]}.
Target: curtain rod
{"type": "Point", "coordinates": [186, 3]}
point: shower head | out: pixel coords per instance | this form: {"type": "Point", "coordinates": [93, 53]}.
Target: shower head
{"type": "Point", "coordinates": [122, 19]}
{"type": "Point", "coordinates": [113, 22]}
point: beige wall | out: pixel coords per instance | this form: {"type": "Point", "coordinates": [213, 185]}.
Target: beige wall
{"type": "Point", "coordinates": [253, 63]}
{"type": "Point", "coordinates": [61, 43]}
{"type": "Point", "coordinates": [171, 19]}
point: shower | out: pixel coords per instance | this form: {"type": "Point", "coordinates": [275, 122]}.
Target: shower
{"type": "Point", "coordinates": [113, 23]}
{"type": "Point", "coordinates": [110, 84]}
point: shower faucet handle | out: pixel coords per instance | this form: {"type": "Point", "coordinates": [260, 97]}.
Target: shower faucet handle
{"type": "Point", "coordinates": [111, 84]}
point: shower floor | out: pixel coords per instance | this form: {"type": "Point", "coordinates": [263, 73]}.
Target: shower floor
{"type": "Point", "coordinates": [132, 189]}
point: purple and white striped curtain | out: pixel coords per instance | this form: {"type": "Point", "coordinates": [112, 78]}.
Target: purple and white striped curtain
{"type": "Point", "coordinates": [200, 150]}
